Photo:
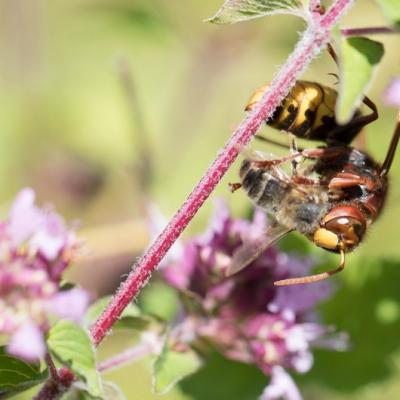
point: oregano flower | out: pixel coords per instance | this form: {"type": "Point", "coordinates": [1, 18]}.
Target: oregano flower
{"type": "Point", "coordinates": [244, 316]}
{"type": "Point", "coordinates": [35, 249]}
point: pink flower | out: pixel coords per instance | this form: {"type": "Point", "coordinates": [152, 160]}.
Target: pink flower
{"type": "Point", "coordinates": [27, 342]}
{"type": "Point", "coordinates": [244, 316]}
{"type": "Point", "coordinates": [50, 239]}
{"type": "Point", "coordinates": [70, 304]}
{"type": "Point", "coordinates": [25, 217]}
{"type": "Point", "coordinates": [299, 298]}
{"type": "Point", "coordinates": [281, 386]}
{"type": "Point", "coordinates": [36, 247]}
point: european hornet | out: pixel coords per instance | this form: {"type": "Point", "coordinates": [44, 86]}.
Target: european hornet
{"type": "Point", "coordinates": [308, 112]}
{"type": "Point", "coordinates": [334, 197]}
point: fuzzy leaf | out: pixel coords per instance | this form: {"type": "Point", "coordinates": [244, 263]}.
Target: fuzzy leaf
{"type": "Point", "coordinates": [359, 57]}
{"type": "Point", "coordinates": [172, 366]}
{"type": "Point", "coordinates": [233, 11]}
{"type": "Point", "coordinates": [17, 375]}
{"type": "Point", "coordinates": [71, 344]}
{"type": "Point", "coordinates": [391, 10]}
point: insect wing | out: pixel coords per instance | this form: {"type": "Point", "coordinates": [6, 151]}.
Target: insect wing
{"type": "Point", "coordinates": [252, 249]}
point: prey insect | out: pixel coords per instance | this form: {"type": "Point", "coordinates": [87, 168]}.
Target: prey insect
{"type": "Point", "coordinates": [332, 202]}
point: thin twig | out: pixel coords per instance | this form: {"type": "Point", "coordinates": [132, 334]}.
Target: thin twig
{"type": "Point", "coordinates": [376, 30]}
{"type": "Point", "coordinates": [128, 356]}
{"type": "Point", "coordinates": [51, 367]}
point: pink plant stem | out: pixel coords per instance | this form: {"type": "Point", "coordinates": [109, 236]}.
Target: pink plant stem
{"type": "Point", "coordinates": [128, 356]}
{"type": "Point", "coordinates": [338, 8]}
{"type": "Point", "coordinates": [373, 30]}
{"type": "Point", "coordinates": [312, 42]}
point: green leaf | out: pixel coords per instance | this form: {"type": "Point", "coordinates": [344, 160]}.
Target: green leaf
{"type": "Point", "coordinates": [357, 310]}
{"type": "Point", "coordinates": [71, 344]}
{"type": "Point", "coordinates": [131, 317]}
{"type": "Point", "coordinates": [391, 10]}
{"type": "Point", "coordinates": [171, 366]}
{"type": "Point", "coordinates": [359, 57]}
{"type": "Point", "coordinates": [17, 375]}
{"type": "Point", "coordinates": [224, 379]}
{"type": "Point", "coordinates": [135, 323]}
{"type": "Point", "coordinates": [160, 300]}
{"type": "Point", "coordinates": [233, 11]}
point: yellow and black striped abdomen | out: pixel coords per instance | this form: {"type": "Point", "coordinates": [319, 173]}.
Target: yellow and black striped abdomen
{"type": "Point", "coordinates": [308, 111]}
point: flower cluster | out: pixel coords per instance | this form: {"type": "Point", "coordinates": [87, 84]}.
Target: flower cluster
{"type": "Point", "coordinates": [245, 317]}
{"type": "Point", "coordinates": [35, 249]}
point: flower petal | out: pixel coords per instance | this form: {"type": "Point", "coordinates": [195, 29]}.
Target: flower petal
{"type": "Point", "coordinates": [70, 304]}
{"type": "Point", "coordinates": [302, 362]}
{"type": "Point", "coordinates": [25, 218]}
{"type": "Point", "coordinates": [180, 273]}
{"type": "Point", "coordinates": [281, 386]}
{"type": "Point", "coordinates": [51, 238]}
{"type": "Point", "coordinates": [27, 343]}
{"type": "Point", "coordinates": [392, 93]}
{"type": "Point", "coordinates": [217, 223]}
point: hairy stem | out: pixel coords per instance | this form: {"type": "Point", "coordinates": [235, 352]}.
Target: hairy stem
{"type": "Point", "coordinates": [128, 356]}
{"type": "Point", "coordinates": [338, 8]}
{"type": "Point", "coordinates": [312, 42]}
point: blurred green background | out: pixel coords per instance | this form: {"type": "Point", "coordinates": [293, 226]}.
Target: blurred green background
{"type": "Point", "coordinates": [109, 104]}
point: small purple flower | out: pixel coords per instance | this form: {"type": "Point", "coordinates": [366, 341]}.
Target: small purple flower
{"type": "Point", "coordinates": [35, 249]}
{"type": "Point", "coordinates": [392, 93]}
{"type": "Point", "coordinates": [282, 386]}
{"type": "Point", "coordinates": [70, 304]}
{"type": "Point", "coordinates": [50, 238]}
{"type": "Point", "coordinates": [25, 217]}
{"type": "Point", "coordinates": [245, 316]}
{"type": "Point", "coordinates": [27, 342]}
